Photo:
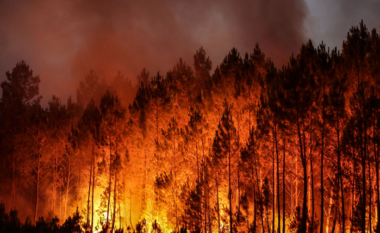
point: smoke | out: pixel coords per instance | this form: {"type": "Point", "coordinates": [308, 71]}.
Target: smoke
{"type": "Point", "coordinates": [63, 40]}
{"type": "Point", "coordinates": [332, 20]}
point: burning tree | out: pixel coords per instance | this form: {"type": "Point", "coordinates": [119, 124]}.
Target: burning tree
{"type": "Point", "coordinates": [235, 150]}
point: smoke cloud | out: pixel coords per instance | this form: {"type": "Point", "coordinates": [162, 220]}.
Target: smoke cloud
{"type": "Point", "coordinates": [331, 20]}
{"type": "Point", "coordinates": [63, 40]}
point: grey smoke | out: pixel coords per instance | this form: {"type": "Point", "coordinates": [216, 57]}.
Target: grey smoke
{"type": "Point", "coordinates": [63, 40]}
{"type": "Point", "coordinates": [331, 19]}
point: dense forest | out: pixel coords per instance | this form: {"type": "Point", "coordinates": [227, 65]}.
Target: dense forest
{"type": "Point", "coordinates": [243, 147]}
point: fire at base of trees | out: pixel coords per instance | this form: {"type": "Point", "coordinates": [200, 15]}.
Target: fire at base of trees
{"type": "Point", "coordinates": [248, 148]}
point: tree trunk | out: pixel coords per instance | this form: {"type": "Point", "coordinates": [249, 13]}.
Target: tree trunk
{"type": "Point", "coordinates": [60, 202]}
{"type": "Point", "coordinates": [274, 185]}
{"type": "Point", "coordinates": [229, 185]}
{"type": "Point", "coordinates": [370, 195]}
{"type": "Point", "coordinates": [254, 197]}
{"type": "Point", "coordinates": [258, 188]}
{"type": "Point", "coordinates": [278, 189]}
{"type": "Point", "coordinates": [364, 155]}
{"type": "Point", "coordinates": [377, 186]}
{"type": "Point", "coordinates": [238, 194]}
{"type": "Point", "coordinates": [196, 152]}
{"type": "Point", "coordinates": [341, 179]}
{"type": "Point", "coordinates": [143, 206]}
{"type": "Point", "coordinates": [304, 204]}
{"type": "Point", "coordinates": [115, 182]}
{"type": "Point", "coordinates": [88, 196]}
{"type": "Point", "coordinates": [13, 190]}
{"type": "Point", "coordinates": [54, 186]}
{"type": "Point", "coordinates": [312, 195]}
{"type": "Point", "coordinates": [262, 219]}
{"type": "Point", "coordinates": [283, 191]}
{"type": "Point", "coordinates": [109, 181]}
{"type": "Point", "coordinates": [266, 209]}
{"type": "Point", "coordinates": [93, 187]}
{"type": "Point", "coordinates": [330, 208]}
{"type": "Point", "coordinates": [304, 165]}
{"type": "Point", "coordinates": [37, 184]}
{"type": "Point", "coordinates": [296, 186]}
{"type": "Point", "coordinates": [157, 143]}
{"type": "Point", "coordinates": [334, 223]}
{"type": "Point", "coordinates": [114, 202]}
{"type": "Point", "coordinates": [120, 211]}
{"type": "Point", "coordinates": [67, 186]}
{"type": "Point", "coordinates": [130, 209]}
{"type": "Point", "coordinates": [79, 179]}
{"type": "Point", "coordinates": [204, 205]}
{"type": "Point", "coordinates": [217, 201]}
{"type": "Point", "coordinates": [175, 186]}
{"type": "Point", "coordinates": [353, 192]}
{"type": "Point", "coordinates": [322, 151]}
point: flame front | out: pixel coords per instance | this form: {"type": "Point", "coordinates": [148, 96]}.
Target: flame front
{"type": "Point", "coordinates": [250, 148]}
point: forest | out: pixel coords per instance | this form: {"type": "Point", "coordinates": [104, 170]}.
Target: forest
{"type": "Point", "coordinates": [241, 147]}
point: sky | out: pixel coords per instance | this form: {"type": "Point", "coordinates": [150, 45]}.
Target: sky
{"type": "Point", "coordinates": [63, 40]}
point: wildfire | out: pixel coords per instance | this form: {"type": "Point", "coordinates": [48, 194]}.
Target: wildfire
{"type": "Point", "coordinates": [245, 149]}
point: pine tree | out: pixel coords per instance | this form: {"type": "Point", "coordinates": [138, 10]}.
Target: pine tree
{"type": "Point", "coordinates": [360, 116]}
{"type": "Point", "coordinates": [335, 117]}
{"type": "Point", "coordinates": [89, 137]}
{"type": "Point", "coordinates": [296, 97]}
{"type": "Point", "coordinates": [354, 52]}
{"type": "Point", "coordinates": [20, 92]}
{"type": "Point", "coordinates": [171, 149]}
{"type": "Point", "coordinates": [224, 150]}
{"type": "Point", "coordinates": [35, 142]}
{"type": "Point", "coordinates": [90, 88]}
{"type": "Point", "coordinates": [202, 68]}
{"type": "Point", "coordinates": [323, 64]}
{"type": "Point", "coordinates": [113, 117]}
{"type": "Point", "coordinates": [271, 126]}
{"type": "Point", "coordinates": [249, 159]}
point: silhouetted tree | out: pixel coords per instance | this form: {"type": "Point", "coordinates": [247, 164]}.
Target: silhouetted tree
{"type": "Point", "coordinates": [224, 149]}
{"type": "Point", "coordinates": [20, 92]}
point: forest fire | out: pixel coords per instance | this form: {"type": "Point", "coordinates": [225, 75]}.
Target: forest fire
{"type": "Point", "coordinates": [246, 148]}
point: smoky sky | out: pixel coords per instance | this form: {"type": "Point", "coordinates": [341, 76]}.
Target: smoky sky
{"type": "Point", "coordinates": [330, 20]}
{"type": "Point", "coordinates": [63, 40]}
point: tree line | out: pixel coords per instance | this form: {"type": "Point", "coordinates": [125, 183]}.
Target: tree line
{"type": "Point", "coordinates": [248, 147]}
